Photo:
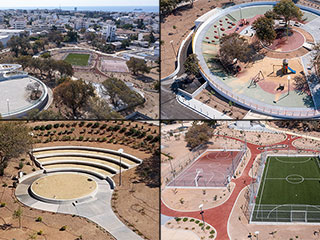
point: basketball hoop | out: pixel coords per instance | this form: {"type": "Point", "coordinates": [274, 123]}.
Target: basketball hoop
{"type": "Point", "coordinates": [198, 172]}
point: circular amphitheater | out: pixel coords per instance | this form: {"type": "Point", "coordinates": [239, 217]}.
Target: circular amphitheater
{"type": "Point", "coordinates": [77, 180]}
{"type": "Point", "coordinates": [264, 96]}
{"type": "Point", "coordinates": [85, 167]}
{"type": "Point", "coordinates": [20, 93]}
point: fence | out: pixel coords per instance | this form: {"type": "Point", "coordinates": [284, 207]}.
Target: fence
{"type": "Point", "coordinates": [278, 213]}
{"type": "Point", "coordinates": [179, 164]}
{"type": "Point", "coordinates": [209, 172]}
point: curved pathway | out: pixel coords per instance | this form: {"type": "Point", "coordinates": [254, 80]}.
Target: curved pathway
{"type": "Point", "coordinates": [218, 217]}
{"type": "Point", "coordinates": [97, 209]}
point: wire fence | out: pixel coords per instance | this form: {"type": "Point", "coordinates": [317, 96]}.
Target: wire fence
{"type": "Point", "coordinates": [216, 169]}
{"type": "Point", "coordinates": [178, 164]}
{"type": "Point", "coordinates": [258, 212]}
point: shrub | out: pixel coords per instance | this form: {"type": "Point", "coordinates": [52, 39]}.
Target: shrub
{"type": "Point", "coordinates": [178, 219]}
{"type": "Point", "coordinates": [81, 124]}
{"type": "Point", "coordinates": [191, 220]}
{"type": "Point", "coordinates": [185, 219]}
{"type": "Point", "coordinates": [96, 125]}
{"type": "Point", "coordinates": [2, 204]}
{"type": "Point", "coordinates": [211, 236]}
{"type": "Point", "coordinates": [123, 129]}
{"type": "Point", "coordinates": [63, 228]}
{"type": "Point", "coordinates": [62, 125]}
{"type": "Point", "coordinates": [42, 127]}
{"type": "Point", "coordinates": [39, 219]}
{"type": "Point", "coordinates": [212, 232]}
{"type": "Point", "coordinates": [40, 232]}
{"type": "Point", "coordinates": [67, 125]}
{"type": "Point", "coordinates": [72, 129]}
{"type": "Point", "coordinates": [110, 128]}
{"type": "Point", "coordinates": [74, 124]}
{"type": "Point", "coordinates": [21, 165]}
{"type": "Point", "coordinates": [56, 125]}
{"type": "Point", "coordinates": [49, 126]}
{"type": "Point", "coordinates": [103, 126]}
{"type": "Point", "coordinates": [149, 138]}
{"type": "Point", "coordinates": [80, 138]}
{"type": "Point", "coordinates": [5, 185]}
{"type": "Point", "coordinates": [89, 125]}
{"type": "Point", "coordinates": [197, 221]}
{"type": "Point", "coordinates": [207, 227]}
{"type": "Point", "coordinates": [156, 139]}
{"type": "Point", "coordinates": [116, 127]}
{"type": "Point", "coordinates": [36, 128]}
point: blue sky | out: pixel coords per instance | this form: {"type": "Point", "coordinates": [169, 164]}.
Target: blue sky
{"type": "Point", "coordinates": [75, 3]}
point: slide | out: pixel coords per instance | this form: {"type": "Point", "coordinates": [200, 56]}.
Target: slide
{"type": "Point", "coordinates": [291, 69]}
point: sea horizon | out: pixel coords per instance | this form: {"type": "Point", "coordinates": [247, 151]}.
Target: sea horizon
{"type": "Point", "coordinates": [93, 8]}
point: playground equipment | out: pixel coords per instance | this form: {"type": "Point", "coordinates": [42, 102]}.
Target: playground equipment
{"type": "Point", "coordinates": [255, 79]}
{"type": "Point", "coordinates": [285, 67]}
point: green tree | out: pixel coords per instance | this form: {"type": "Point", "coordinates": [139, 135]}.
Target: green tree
{"type": "Point", "coordinates": [234, 46]}
{"type": "Point", "coordinates": [289, 11]}
{"type": "Point", "coordinates": [74, 95]}
{"type": "Point", "coordinates": [191, 65]}
{"type": "Point", "coordinates": [15, 139]}
{"type": "Point", "coordinates": [100, 109]}
{"type": "Point", "coordinates": [137, 66]}
{"type": "Point", "coordinates": [17, 214]}
{"type": "Point", "coordinates": [198, 134]}
{"type": "Point", "coordinates": [264, 29]}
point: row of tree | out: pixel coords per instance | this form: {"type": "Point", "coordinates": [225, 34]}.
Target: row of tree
{"type": "Point", "coordinates": [167, 6]}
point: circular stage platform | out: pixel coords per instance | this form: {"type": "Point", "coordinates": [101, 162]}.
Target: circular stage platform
{"type": "Point", "coordinates": [63, 187]}
{"type": "Point", "coordinates": [275, 92]}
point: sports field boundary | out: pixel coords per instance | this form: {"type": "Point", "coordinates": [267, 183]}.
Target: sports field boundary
{"type": "Point", "coordinates": [252, 206]}
{"type": "Point", "coordinates": [196, 159]}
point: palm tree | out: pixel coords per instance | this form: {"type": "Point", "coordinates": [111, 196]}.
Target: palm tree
{"type": "Point", "coordinates": [18, 214]}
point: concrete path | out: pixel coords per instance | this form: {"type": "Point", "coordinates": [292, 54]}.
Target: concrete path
{"type": "Point", "coordinates": [97, 209]}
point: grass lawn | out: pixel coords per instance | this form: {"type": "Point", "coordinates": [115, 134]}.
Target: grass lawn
{"type": "Point", "coordinates": [77, 59]}
{"type": "Point", "coordinates": [288, 181]}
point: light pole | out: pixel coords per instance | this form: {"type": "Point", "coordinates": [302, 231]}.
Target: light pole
{"type": "Point", "coordinates": [8, 105]}
{"type": "Point", "coordinates": [202, 212]}
{"type": "Point", "coordinates": [257, 234]}
{"type": "Point", "coordinates": [175, 54]}
{"type": "Point", "coordinates": [120, 151]}
{"type": "Point", "coordinates": [289, 77]}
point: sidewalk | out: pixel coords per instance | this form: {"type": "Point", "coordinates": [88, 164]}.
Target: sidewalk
{"type": "Point", "coordinates": [201, 108]}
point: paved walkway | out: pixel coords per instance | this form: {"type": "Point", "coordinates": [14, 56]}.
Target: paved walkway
{"type": "Point", "coordinates": [218, 216]}
{"type": "Point", "coordinates": [97, 209]}
{"type": "Point", "coordinates": [201, 108]}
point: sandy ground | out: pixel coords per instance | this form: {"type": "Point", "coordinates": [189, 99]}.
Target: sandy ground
{"type": "Point", "coordinates": [174, 234]}
{"type": "Point", "coordinates": [184, 21]}
{"type": "Point", "coordinates": [304, 143]}
{"type": "Point", "coordinates": [184, 199]}
{"type": "Point", "coordinates": [64, 186]}
{"type": "Point", "coordinates": [188, 229]}
{"type": "Point", "coordinates": [221, 104]}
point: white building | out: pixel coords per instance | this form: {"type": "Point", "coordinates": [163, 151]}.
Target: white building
{"type": "Point", "coordinates": [19, 24]}
{"type": "Point", "coordinates": [109, 32]}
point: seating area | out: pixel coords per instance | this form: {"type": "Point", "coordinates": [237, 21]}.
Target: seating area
{"type": "Point", "coordinates": [102, 163]}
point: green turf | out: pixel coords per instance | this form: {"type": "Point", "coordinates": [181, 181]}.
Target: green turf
{"type": "Point", "coordinates": [77, 59]}
{"type": "Point", "coordinates": [276, 190]}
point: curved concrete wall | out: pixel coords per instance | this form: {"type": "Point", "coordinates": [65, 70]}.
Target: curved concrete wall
{"type": "Point", "coordinates": [130, 157]}
{"type": "Point", "coordinates": [40, 104]}
{"type": "Point", "coordinates": [61, 201]}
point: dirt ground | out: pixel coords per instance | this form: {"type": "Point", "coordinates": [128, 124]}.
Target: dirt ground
{"type": "Point", "coordinates": [185, 225]}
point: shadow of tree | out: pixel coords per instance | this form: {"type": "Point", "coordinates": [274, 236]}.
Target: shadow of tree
{"type": "Point", "coordinates": [149, 171]}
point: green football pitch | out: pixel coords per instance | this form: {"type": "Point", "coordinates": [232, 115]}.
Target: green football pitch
{"type": "Point", "coordinates": [289, 190]}
{"type": "Point", "coordinates": [77, 59]}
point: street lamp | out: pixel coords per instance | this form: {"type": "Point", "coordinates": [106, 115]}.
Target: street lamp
{"type": "Point", "coordinates": [120, 151]}
{"type": "Point", "coordinates": [175, 54]}
{"type": "Point", "coordinates": [8, 105]}
{"type": "Point", "coordinates": [289, 77]}
{"type": "Point", "coordinates": [257, 234]}
{"type": "Point", "coordinates": [202, 212]}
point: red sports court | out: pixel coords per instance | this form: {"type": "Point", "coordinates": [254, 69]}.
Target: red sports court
{"type": "Point", "coordinates": [211, 169]}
